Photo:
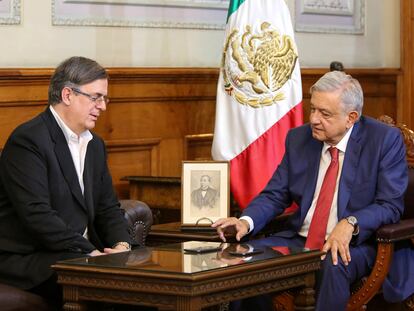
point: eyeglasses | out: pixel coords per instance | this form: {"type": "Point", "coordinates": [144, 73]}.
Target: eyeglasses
{"type": "Point", "coordinates": [93, 98]}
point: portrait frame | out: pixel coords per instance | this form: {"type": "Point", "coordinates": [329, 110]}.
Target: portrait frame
{"type": "Point", "coordinates": [10, 12]}
{"type": "Point", "coordinates": [205, 193]}
{"type": "Point", "coordinates": [188, 14]}
{"type": "Point", "coordinates": [324, 16]}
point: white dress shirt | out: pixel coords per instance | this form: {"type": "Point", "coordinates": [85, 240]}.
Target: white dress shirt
{"type": "Point", "coordinates": [77, 146]}
{"type": "Point", "coordinates": [323, 166]}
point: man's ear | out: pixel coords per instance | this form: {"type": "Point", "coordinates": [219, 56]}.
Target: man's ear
{"type": "Point", "coordinates": [66, 94]}
{"type": "Point", "coordinates": [352, 118]}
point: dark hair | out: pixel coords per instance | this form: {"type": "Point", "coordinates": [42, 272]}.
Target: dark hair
{"type": "Point", "coordinates": [336, 66]}
{"type": "Point", "coordinates": [73, 72]}
{"type": "Point", "coordinates": [208, 177]}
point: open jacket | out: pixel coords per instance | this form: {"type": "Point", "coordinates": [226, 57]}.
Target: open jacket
{"type": "Point", "coordinates": [43, 213]}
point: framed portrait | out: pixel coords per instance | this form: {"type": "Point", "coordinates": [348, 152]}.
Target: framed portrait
{"type": "Point", "coordinates": [218, 4]}
{"type": "Point", "coordinates": [191, 14]}
{"type": "Point", "coordinates": [9, 12]}
{"type": "Point", "coordinates": [205, 193]}
{"type": "Point", "coordinates": [326, 16]}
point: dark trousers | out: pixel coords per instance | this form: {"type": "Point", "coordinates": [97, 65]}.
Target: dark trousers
{"type": "Point", "coordinates": [332, 282]}
{"type": "Point", "coordinates": [51, 291]}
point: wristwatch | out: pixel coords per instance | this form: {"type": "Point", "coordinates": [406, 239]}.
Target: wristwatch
{"type": "Point", "coordinates": [354, 222]}
{"type": "Point", "coordinates": [124, 244]}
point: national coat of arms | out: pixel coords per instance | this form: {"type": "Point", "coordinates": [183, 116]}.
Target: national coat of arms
{"type": "Point", "coordinates": [256, 65]}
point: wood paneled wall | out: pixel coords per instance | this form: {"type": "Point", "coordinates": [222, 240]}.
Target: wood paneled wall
{"type": "Point", "coordinates": [159, 116]}
{"type": "Point", "coordinates": [406, 87]}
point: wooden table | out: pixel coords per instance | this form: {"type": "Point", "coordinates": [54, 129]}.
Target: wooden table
{"type": "Point", "coordinates": [168, 278]}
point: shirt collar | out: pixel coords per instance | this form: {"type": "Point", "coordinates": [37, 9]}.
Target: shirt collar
{"type": "Point", "coordinates": [341, 146]}
{"type": "Point", "coordinates": [69, 134]}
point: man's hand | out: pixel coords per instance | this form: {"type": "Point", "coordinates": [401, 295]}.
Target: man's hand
{"type": "Point", "coordinates": [233, 226]}
{"type": "Point", "coordinates": [119, 248]}
{"type": "Point", "coordinates": [228, 259]}
{"type": "Point", "coordinates": [107, 250]}
{"type": "Point", "coordinates": [96, 253]}
{"type": "Point", "coordinates": [338, 241]}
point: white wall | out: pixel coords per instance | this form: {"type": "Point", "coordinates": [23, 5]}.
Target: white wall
{"type": "Point", "coordinates": [378, 47]}
{"type": "Point", "coordinates": [36, 43]}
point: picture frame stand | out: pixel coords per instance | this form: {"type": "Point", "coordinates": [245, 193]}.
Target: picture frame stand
{"type": "Point", "coordinates": [199, 225]}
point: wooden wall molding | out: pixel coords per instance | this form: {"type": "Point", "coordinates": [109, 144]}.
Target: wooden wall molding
{"type": "Point", "coordinates": [127, 155]}
{"type": "Point", "coordinates": [34, 103]}
{"type": "Point", "coordinates": [132, 144]}
{"type": "Point", "coordinates": [158, 117]}
{"type": "Point", "coordinates": [379, 85]}
{"type": "Point", "coordinates": [120, 74]}
{"type": "Point", "coordinates": [198, 146]}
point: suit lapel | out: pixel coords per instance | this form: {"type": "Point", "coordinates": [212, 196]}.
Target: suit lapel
{"type": "Point", "coordinates": [313, 154]}
{"type": "Point", "coordinates": [88, 180]}
{"type": "Point", "coordinates": [349, 169]}
{"type": "Point", "coordinates": [64, 157]}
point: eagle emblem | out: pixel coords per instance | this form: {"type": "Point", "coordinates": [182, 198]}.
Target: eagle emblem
{"type": "Point", "coordinates": [256, 66]}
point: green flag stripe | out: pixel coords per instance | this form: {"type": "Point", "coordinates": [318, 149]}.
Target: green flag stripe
{"type": "Point", "coordinates": [234, 5]}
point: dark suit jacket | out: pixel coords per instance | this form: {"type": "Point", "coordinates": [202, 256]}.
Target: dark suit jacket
{"type": "Point", "coordinates": [43, 213]}
{"type": "Point", "coordinates": [371, 188]}
{"type": "Point", "coordinates": [208, 200]}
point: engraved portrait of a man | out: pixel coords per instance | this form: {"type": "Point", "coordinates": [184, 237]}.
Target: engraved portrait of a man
{"type": "Point", "coordinates": [205, 196]}
{"type": "Point", "coordinates": [205, 192]}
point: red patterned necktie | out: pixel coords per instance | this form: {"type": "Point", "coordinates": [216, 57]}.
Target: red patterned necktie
{"type": "Point", "coordinates": [319, 222]}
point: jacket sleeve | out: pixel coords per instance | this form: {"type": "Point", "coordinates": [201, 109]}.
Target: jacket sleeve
{"type": "Point", "coordinates": [24, 175]}
{"type": "Point", "coordinates": [274, 198]}
{"type": "Point", "coordinates": [109, 221]}
{"type": "Point", "coordinates": [392, 179]}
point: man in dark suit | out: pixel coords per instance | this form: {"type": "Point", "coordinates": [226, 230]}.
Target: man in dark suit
{"type": "Point", "coordinates": [366, 190]}
{"type": "Point", "coordinates": [205, 196]}
{"type": "Point", "coordinates": [56, 195]}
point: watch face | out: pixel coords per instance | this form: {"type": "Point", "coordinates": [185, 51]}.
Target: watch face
{"type": "Point", "coordinates": [352, 220]}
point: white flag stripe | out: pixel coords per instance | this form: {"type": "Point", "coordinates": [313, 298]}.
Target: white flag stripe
{"type": "Point", "coordinates": [249, 123]}
{"type": "Point", "coordinates": [237, 125]}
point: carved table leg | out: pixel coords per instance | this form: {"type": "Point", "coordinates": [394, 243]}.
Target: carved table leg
{"type": "Point", "coordinates": [74, 306]}
{"type": "Point", "coordinates": [305, 298]}
{"type": "Point", "coordinates": [71, 299]}
{"type": "Point", "coordinates": [188, 303]}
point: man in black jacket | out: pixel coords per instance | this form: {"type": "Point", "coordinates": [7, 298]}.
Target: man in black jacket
{"type": "Point", "coordinates": [56, 195]}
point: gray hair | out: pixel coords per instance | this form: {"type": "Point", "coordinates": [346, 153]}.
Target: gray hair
{"type": "Point", "coordinates": [352, 97]}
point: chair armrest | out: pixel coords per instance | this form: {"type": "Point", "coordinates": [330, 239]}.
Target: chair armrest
{"type": "Point", "coordinates": [139, 218]}
{"type": "Point", "coordinates": [386, 236]}
{"type": "Point", "coordinates": [396, 232]}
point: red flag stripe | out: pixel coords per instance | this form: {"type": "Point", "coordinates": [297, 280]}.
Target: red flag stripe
{"type": "Point", "coordinates": [251, 170]}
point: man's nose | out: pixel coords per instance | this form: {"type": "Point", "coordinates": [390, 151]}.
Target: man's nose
{"type": "Point", "coordinates": [101, 105]}
{"type": "Point", "coordinates": [314, 118]}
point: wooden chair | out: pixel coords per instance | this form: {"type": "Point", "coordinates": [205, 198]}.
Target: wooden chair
{"type": "Point", "coordinates": [387, 236]}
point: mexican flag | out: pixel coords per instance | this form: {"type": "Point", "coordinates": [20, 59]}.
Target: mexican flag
{"type": "Point", "coordinates": [259, 94]}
